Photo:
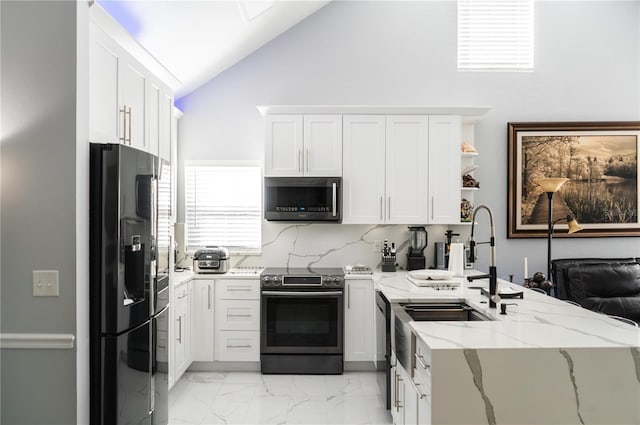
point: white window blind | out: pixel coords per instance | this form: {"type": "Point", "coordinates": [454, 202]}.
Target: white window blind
{"type": "Point", "coordinates": [223, 205]}
{"type": "Point", "coordinates": [164, 206]}
{"type": "Point", "coordinates": [495, 35]}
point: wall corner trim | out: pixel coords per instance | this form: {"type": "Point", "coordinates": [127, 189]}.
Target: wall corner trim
{"type": "Point", "coordinates": [36, 341]}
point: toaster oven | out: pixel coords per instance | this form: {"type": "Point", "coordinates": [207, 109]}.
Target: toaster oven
{"type": "Point", "coordinates": [211, 260]}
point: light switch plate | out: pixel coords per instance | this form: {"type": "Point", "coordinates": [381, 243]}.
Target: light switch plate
{"type": "Point", "coordinates": [45, 283]}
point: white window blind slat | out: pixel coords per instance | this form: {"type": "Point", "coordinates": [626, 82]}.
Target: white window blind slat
{"type": "Point", "coordinates": [495, 34]}
{"type": "Point", "coordinates": [223, 206]}
{"type": "Point", "coordinates": [164, 204]}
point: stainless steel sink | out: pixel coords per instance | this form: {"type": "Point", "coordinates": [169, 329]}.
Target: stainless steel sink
{"type": "Point", "coordinates": [403, 313]}
{"type": "Point", "coordinates": [421, 312]}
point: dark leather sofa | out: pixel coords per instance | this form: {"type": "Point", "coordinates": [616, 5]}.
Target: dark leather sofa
{"type": "Point", "coordinates": [607, 285]}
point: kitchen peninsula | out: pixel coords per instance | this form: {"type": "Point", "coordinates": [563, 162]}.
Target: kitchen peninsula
{"type": "Point", "coordinates": [544, 362]}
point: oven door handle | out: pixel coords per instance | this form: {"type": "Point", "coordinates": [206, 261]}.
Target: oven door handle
{"type": "Point", "coordinates": [302, 293]}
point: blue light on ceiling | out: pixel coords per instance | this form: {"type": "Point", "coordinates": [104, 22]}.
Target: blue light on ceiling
{"type": "Point", "coordinates": [121, 12]}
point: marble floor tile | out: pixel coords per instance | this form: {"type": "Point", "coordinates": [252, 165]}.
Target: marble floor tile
{"type": "Point", "coordinates": [201, 398]}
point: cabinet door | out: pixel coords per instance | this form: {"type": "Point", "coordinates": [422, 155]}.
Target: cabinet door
{"type": "Point", "coordinates": [166, 124]}
{"type": "Point", "coordinates": [202, 321]}
{"type": "Point", "coordinates": [359, 321]}
{"type": "Point", "coordinates": [133, 94]}
{"type": "Point", "coordinates": [406, 169]}
{"type": "Point", "coordinates": [444, 169]}
{"type": "Point", "coordinates": [284, 146]}
{"type": "Point", "coordinates": [154, 102]}
{"type": "Point", "coordinates": [181, 333]}
{"type": "Point", "coordinates": [410, 399]}
{"type": "Point", "coordinates": [104, 59]}
{"type": "Point", "coordinates": [363, 178]}
{"type": "Point", "coordinates": [322, 136]}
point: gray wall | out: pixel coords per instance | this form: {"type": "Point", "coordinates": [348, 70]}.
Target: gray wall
{"type": "Point", "coordinates": [39, 204]}
{"type": "Point", "coordinates": [587, 67]}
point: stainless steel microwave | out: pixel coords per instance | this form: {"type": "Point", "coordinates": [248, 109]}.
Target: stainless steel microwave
{"type": "Point", "coordinates": [303, 199]}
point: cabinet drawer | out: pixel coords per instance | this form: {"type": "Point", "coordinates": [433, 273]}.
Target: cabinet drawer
{"type": "Point", "coordinates": [238, 346]}
{"type": "Point", "coordinates": [238, 289]}
{"type": "Point", "coordinates": [182, 291]}
{"type": "Point", "coordinates": [422, 364]}
{"type": "Point", "coordinates": [238, 315]}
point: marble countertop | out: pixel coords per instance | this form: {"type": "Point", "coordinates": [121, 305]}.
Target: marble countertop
{"type": "Point", "coordinates": [536, 321]}
{"type": "Point", "coordinates": [181, 277]}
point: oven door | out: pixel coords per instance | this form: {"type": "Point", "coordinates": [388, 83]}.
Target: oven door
{"type": "Point", "coordinates": [302, 322]}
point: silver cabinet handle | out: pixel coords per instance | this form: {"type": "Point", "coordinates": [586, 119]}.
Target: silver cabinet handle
{"type": "Point", "coordinates": [420, 360]}
{"type": "Point", "coordinates": [381, 214]}
{"type": "Point", "coordinates": [180, 329]}
{"type": "Point", "coordinates": [239, 315]}
{"type": "Point", "coordinates": [349, 297]}
{"type": "Point", "coordinates": [238, 289]}
{"type": "Point", "coordinates": [421, 395]}
{"type": "Point", "coordinates": [238, 346]}
{"type": "Point", "coordinates": [300, 160]}
{"type": "Point", "coordinates": [432, 207]}
{"type": "Point", "coordinates": [129, 113]}
{"type": "Point", "coordinates": [123, 139]}
{"type": "Point", "coordinates": [308, 155]}
{"type": "Point", "coordinates": [183, 295]}
{"type": "Point", "coordinates": [334, 198]}
{"type": "Point", "coordinates": [209, 297]}
{"type": "Point", "coordinates": [389, 209]}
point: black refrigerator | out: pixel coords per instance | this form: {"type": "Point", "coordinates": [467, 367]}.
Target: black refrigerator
{"type": "Point", "coordinates": [129, 298]}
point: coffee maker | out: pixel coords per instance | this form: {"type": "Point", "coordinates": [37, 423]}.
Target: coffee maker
{"type": "Point", "coordinates": [418, 242]}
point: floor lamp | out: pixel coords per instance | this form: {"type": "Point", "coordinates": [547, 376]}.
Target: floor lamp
{"type": "Point", "coordinates": [550, 186]}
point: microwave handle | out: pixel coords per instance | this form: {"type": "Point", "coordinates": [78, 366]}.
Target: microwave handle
{"type": "Point", "coordinates": [334, 198]}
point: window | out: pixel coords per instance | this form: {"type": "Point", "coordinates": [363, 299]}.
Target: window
{"type": "Point", "coordinates": [495, 35]}
{"type": "Point", "coordinates": [223, 205]}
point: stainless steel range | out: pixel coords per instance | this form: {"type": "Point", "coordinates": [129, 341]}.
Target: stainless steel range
{"type": "Point", "coordinates": [302, 320]}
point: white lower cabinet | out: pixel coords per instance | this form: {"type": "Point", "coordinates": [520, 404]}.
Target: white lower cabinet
{"type": "Point", "coordinates": [181, 330]}
{"type": "Point", "coordinates": [238, 346]}
{"type": "Point", "coordinates": [237, 322]}
{"type": "Point", "coordinates": [411, 390]}
{"type": "Point", "coordinates": [203, 319]}
{"type": "Point", "coordinates": [359, 320]}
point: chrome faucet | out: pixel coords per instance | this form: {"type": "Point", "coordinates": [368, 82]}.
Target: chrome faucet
{"type": "Point", "coordinates": [494, 298]}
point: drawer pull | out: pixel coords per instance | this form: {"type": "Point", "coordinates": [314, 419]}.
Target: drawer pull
{"type": "Point", "coordinates": [239, 315]}
{"type": "Point", "coordinates": [420, 360]}
{"type": "Point", "coordinates": [238, 346]}
{"type": "Point", "coordinates": [239, 289]}
{"type": "Point", "coordinates": [416, 386]}
{"type": "Point", "coordinates": [183, 295]}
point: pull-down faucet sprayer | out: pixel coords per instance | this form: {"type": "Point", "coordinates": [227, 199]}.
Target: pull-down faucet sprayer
{"type": "Point", "coordinates": [493, 276]}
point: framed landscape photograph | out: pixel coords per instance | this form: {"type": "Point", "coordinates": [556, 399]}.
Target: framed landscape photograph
{"type": "Point", "coordinates": [600, 159]}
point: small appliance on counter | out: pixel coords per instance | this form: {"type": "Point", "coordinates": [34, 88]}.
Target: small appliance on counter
{"type": "Point", "coordinates": [415, 256]}
{"type": "Point", "coordinates": [389, 257]}
{"type": "Point", "coordinates": [211, 259]}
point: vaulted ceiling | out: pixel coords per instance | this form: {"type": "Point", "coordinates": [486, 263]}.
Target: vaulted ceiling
{"type": "Point", "coordinates": [197, 40]}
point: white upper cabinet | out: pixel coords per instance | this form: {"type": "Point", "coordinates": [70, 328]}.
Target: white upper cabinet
{"type": "Point", "coordinates": [128, 103]}
{"type": "Point", "coordinates": [104, 118]}
{"type": "Point", "coordinates": [283, 150]}
{"type": "Point", "coordinates": [406, 169]}
{"type": "Point", "coordinates": [444, 169]}
{"type": "Point", "coordinates": [322, 145]}
{"type": "Point", "coordinates": [298, 145]}
{"type": "Point", "coordinates": [385, 161]}
{"type": "Point", "coordinates": [363, 179]}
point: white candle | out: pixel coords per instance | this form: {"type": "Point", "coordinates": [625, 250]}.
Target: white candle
{"type": "Point", "coordinates": [526, 268]}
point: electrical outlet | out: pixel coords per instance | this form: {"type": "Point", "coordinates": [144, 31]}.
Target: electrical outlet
{"type": "Point", "coordinates": [377, 246]}
{"type": "Point", "coordinates": [45, 283]}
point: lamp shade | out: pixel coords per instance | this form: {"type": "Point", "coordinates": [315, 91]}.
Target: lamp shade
{"type": "Point", "coordinates": [551, 184]}
{"type": "Point", "coordinates": [573, 224]}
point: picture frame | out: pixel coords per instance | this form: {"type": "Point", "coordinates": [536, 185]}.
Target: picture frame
{"type": "Point", "coordinates": [601, 161]}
